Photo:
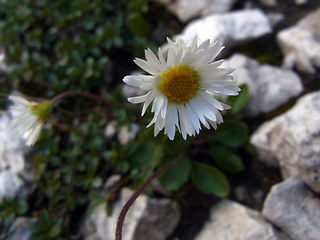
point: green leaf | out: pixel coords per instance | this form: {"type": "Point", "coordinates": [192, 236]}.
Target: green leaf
{"type": "Point", "coordinates": [138, 5]}
{"type": "Point", "coordinates": [231, 133]}
{"type": "Point", "coordinates": [97, 182]}
{"type": "Point", "coordinates": [55, 230]}
{"type": "Point", "coordinates": [80, 180]}
{"type": "Point", "coordinates": [176, 175]}
{"type": "Point", "coordinates": [238, 102]}
{"type": "Point", "coordinates": [209, 179]}
{"type": "Point", "coordinates": [144, 153]}
{"type": "Point", "coordinates": [226, 159]}
{"type": "Point", "coordinates": [138, 25]}
{"type": "Point", "coordinates": [22, 206]}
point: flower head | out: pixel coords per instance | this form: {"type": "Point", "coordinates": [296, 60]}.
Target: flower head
{"type": "Point", "coordinates": [28, 117]}
{"type": "Point", "coordinates": [181, 87]}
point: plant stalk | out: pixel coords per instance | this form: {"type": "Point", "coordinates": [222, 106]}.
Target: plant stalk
{"type": "Point", "coordinates": [135, 195]}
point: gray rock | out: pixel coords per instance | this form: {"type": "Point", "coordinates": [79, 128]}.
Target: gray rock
{"type": "Point", "coordinates": [266, 141]}
{"type": "Point", "coordinates": [188, 9]}
{"type": "Point", "coordinates": [20, 229]}
{"type": "Point", "coordinates": [229, 28]}
{"type": "Point", "coordinates": [232, 221]}
{"type": "Point", "coordinates": [275, 18]}
{"type": "Point", "coordinates": [269, 86]}
{"type": "Point", "coordinates": [300, 44]}
{"type": "Point", "coordinates": [147, 219]}
{"type": "Point", "coordinates": [294, 209]}
{"type": "Point", "coordinates": [293, 138]}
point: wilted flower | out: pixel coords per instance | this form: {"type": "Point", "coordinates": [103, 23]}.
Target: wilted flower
{"type": "Point", "coordinates": [28, 117]}
{"type": "Point", "coordinates": [181, 86]}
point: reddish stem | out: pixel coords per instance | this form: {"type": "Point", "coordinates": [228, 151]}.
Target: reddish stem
{"type": "Point", "coordinates": [86, 95]}
{"type": "Point", "coordinates": [135, 195]}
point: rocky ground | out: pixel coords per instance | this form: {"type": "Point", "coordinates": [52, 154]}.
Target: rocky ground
{"type": "Point", "coordinates": [277, 196]}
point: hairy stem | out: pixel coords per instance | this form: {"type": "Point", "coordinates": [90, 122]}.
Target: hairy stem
{"type": "Point", "coordinates": [135, 195]}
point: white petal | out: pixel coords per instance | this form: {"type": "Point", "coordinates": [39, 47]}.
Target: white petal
{"type": "Point", "coordinates": [164, 108]}
{"type": "Point", "coordinates": [194, 42]}
{"type": "Point", "coordinates": [152, 121]}
{"type": "Point", "coordinates": [193, 117]}
{"type": "Point", "coordinates": [212, 123]}
{"type": "Point", "coordinates": [203, 109]}
{"type": "Point", "coordinates": [157, 104]}
{"type": "Point", "coordinates": [185, 122]}
{"type": "Point", "coordinates": [162, 60]}
{"type": "Point", "coordinates": [214, 73]}
{"type": "Point", "coordinates": [148, 82]}
{"type": "Point", "coordinates": [152, 58]}
{"type": "Point", "coordinates": [231, 91]}
{"type": "Point", "coordinates": [149, 98]}
{"type": "Point", "coordinates": [19, 100]}
{"type": "Point", "coordinates": [212, 53]}
{"type": "Point", "coordinates": [205, 44]}
{"type": "Point", "coordinates": [211, 100]}
{"type": "Point", "coordinates": [196, 109]}
{"type": "Point", "coordinates": [34, 135]}
{"type": "Point", "coordinates": [171, 62]}
{"type": "Point", "coordinates": [146, 66]}
{"type": "Point", "coordinates": [172, 121]}
{"type": "Point", "coordinates": [134, 81]}
{"type": "Point", "coordinates": [213, 65]}
{"type": "Point", "coordinates": [138, 99]}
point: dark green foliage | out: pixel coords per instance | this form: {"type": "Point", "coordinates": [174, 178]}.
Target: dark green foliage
{"type": "Point", "coordinates": [176, 175]}
{"type": "Point", "coordinates": [10, 208]}
{"type": "Point", "coordinates": [226, 159]}
{"type": "Point", "coordinates": [231, 133]}
{"type": "Point", "coordinates": [240, 101]}
{"type": "Point", "coordinates": [209, 179]}
{"type": "Point", "coordinates": [59, 45]}
{"type": "Point", "coordinates": [225, 143]}
{"type": "Point", "coordinates": [48, 227]}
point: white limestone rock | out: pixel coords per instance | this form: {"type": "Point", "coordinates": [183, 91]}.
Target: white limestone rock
{"type": "Point", "coordinates": [294, 209]}
{"type": "Point", "coordinates": [300, 44]}
{"type": "Point", "coordinates": [269, 86]}
{"type": "Point", "coordinates": [147, 219]}
{"type": "Point", "coordinates": [229, 28]}
{"type": "Point", "coordinates": [188, 9]}
{"type": "Point", "coordinates": [266, 141]}
{"type": "Point", "coordinates": [229, 220]}
{"type": "Point", "coordinates": [294, 139]}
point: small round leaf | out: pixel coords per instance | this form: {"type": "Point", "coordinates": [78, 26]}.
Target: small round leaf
{"type": "Point", "coordinates": [208, 179]}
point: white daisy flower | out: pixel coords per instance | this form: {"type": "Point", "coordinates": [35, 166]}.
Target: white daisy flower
{"type": "Point", "coordinates": [28, 117]}
{"type": "Point", "coordinates": [181, 85]}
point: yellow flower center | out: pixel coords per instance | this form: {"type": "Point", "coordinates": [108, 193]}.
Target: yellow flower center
{"type": "Point", "coordinates": [179, 83]}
